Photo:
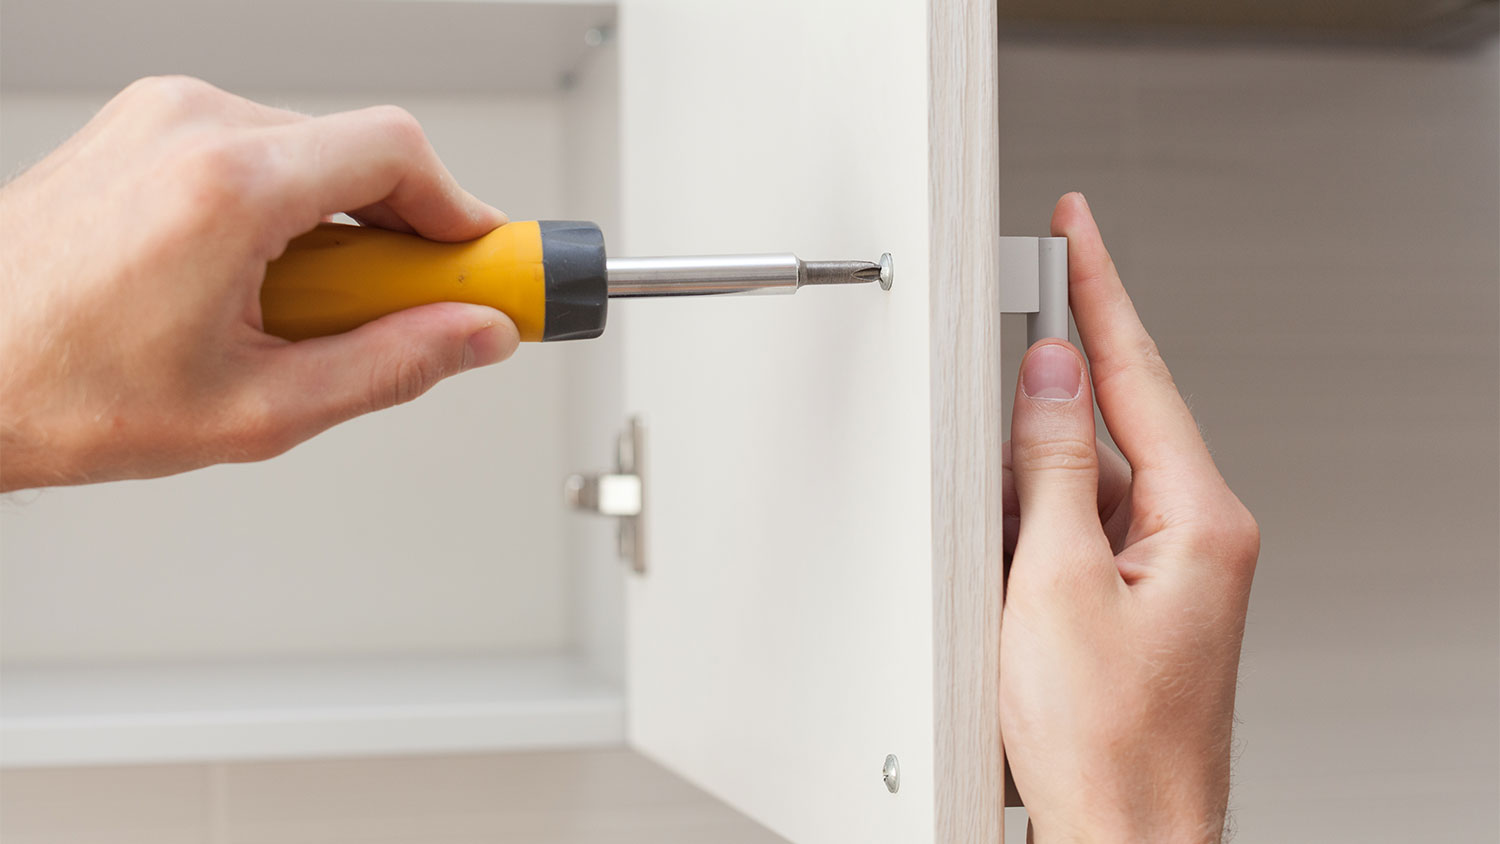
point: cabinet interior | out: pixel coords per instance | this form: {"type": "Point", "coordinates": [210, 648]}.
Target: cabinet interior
{"type": "Point", "coordinates": [406, 582]}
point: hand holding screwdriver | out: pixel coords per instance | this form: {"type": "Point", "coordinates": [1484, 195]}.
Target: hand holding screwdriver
{"type": "Point", "coordinates": [144, 355]}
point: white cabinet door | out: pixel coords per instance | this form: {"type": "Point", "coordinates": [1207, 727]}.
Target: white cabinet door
{"type": "Point", "coordinates": [823, 528]}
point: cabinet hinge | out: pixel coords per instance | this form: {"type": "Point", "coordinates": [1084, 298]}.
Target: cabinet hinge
{"type": "Point", "coordinates": [620, 494]}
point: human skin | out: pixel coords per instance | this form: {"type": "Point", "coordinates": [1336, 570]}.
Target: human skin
{"type": "Point", "coordinates": [130, 276]}
{"type": "Point", "coordinates": [1128, 585]}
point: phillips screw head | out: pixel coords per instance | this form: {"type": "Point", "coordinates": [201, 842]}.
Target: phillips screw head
{"type": "Point", "coordinates": [891, 773]}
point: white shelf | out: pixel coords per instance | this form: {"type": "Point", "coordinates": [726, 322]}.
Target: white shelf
{"type": "Point", "coordinates": [302, 708]}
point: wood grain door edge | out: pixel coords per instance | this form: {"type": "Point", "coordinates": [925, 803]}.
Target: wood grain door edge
{"type": "Point", "coordinates": [967, 515]}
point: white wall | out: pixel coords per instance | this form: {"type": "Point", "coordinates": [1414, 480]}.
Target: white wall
{"type": "Point", "coordinates": [437, 526]}
{"type": "Point", "coordinates": [1311, 237]}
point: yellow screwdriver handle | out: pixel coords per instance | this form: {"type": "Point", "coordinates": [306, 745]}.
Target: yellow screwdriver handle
{"type": "Point", "coordinates": [548, 277]}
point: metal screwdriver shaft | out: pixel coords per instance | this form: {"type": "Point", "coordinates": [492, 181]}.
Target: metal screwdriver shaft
{"type": "Point", "coordinates": [723, 274]}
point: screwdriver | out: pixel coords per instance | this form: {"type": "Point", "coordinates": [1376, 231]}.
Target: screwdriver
{"type": "Point", "coordinates": [550, 277]}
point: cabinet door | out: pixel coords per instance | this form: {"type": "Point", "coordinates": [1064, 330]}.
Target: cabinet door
{"type": "Point", "coordinates": [823, 507]}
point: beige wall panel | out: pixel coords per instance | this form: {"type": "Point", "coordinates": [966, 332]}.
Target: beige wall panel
{"type": "Point", "coordinates": [1311, 237]}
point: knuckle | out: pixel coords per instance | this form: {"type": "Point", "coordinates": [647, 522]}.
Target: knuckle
{"type": "Point", "coordinates": [1244, 534]}
{"type": "Point", "coordinates": [1144, 361]}
{"type": "Point", "coordinates": [254, 430]}
{"type": "Point", "coordinates": [173, 93]}
{"type": "Point", "coordinates": [1059, 455]}
{"type": "Point", "coordinates": [412, 376]}
{"type": "Point", "coordinates": [401, 125]}
{"type": "Point", "coordinates": [1095, 273]}
{"type": "Point", "coordinates": [222, 172]}
{"type": "Point", "coordinates": [1225, 531]}
{"type": "Point", "coordinates": [1204, 537]}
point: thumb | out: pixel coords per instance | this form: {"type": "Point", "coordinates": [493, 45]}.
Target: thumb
{"type": "Point", "coordinates": [388, 361]}
{"type": "Point", "coordinates": [1055, 461]}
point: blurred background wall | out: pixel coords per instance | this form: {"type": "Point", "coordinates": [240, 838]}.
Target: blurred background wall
{"type": "Point", "coordinates": [1310, 233]}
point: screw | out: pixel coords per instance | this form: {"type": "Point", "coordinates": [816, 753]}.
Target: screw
{"type": "Point", "coordinates": [892, 773]}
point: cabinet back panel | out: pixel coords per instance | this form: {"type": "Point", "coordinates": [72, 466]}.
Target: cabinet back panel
{"type": "Point", "coordinates": [435, 526]}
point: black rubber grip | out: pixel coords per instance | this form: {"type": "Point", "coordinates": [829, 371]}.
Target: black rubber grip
{"type": "Point", "coordinates": [577, 280]}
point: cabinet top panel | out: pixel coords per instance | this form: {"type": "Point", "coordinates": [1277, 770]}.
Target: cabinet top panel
{"type": "Point", "coordinates": [314, 46]}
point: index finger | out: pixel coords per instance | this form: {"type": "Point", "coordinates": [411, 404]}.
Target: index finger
{"type": "Point", "coordinates": [1145, 414]}
{"type": "Point", "coordinates": [379, 157]}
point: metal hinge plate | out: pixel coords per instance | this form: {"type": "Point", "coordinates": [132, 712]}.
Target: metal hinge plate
{"type": "Point", "coordinates": [620, 494]}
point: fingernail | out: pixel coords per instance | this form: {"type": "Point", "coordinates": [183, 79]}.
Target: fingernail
{"type": "Point", "coordinates": [485, 346]}
{"type": "Point", "coordinates": [1051, 372]}
{"type": "Point", "coordinates": [1082, 198]}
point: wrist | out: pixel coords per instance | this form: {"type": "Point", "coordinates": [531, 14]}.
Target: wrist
{"type": "Point", "coordinates": [35, 452]}
{"type": "Point", "coordinates": [20, 466]}
{"type": "Point", "coordinates": [15, 468]}
{"type": "Point", "coordinates": [1161, 827]}
{"type": "Point", "coordinates": [1173, 814]}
